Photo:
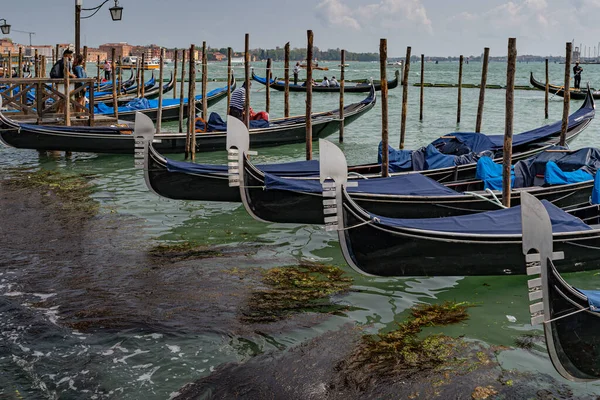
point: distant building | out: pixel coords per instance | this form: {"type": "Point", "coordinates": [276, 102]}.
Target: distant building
{"type": "Point", "coordinates": [219, 56]}
{"type": "Point", "coordinates": [93, 54]}
{"type": "Point", "coordinates": [122, 49]}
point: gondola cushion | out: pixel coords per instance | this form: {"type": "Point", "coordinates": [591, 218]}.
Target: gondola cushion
{"type": "Point", "coordinates": [555, 176]}
{"type": "Point", "coordinates": [593, 297]}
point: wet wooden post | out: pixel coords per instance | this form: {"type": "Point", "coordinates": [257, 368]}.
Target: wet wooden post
{"type": "Point", "coordinates": [484, 71]}
{"type": "Point", "coordinates": [229, 76]}
{"type": "Point", "coordinates": [247, 79]}
{"type": "Point", "coordinates": [268, 87]}
{"type": "Point", "coordinates": [67, 83]}
{"type": "Point", "coordinates": [422, 88]}
{"type": "Point", "coordinates": [191, 152]}
{"type": "Point", "coordinates": [85, 54]}
{"type": "Point", "coordinates": [138, 78]}
{"type": "Point", "coordinates": [43, 66]}
{"type": "Point", "coordinates": [384, 108]}
{"type": "Point", "coordinates": [114, 85]}
{"type": "Point", "coordinates": [343, 61]}
{"type": "Point", "coordinates": [58, 56]}
{"type": "Point", "coordinates": [567, 96]}
{"type": "Point", "coordinates": [98, 79]}
{"type": "Point", "coordinates": [37, 64]}
{"type": "Point", "coordinates": [181, 91]}
{"type": "Point", "coordinates": [308, 115]}
{"type": "Point", "coordinates": [204, 82]}
{"type": "Point", "coordinates": [120, 76]}
{"type": "Point", "coordinates": [508, 121]}
{"type": "Point", "coordinates": [286, 75]}
{"type": "Point", "coordinates": [20, 70]}
{"type": "Point", "coordinates": [546, 91]}
{"type": "Point", "coordinates": [161, 79]}
{"type": "Point", "coordinates": [460, 72]}
{"type": "Point", "coordinates": [53, 57]}
{"type": "Point", "coordinates": [404, 98]}
{"type": "Point", "coordinates": [142, 81]}
{"type": "Point", "coordinates": [175, 73]}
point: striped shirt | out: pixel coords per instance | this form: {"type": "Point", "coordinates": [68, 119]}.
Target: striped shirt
{"type": "Point", "coordinates": [238, 98]}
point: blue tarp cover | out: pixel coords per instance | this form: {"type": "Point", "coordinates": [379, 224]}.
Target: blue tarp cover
{"type": "Point", "coordinates": [409, 185]}
{"type": "Point", "coordinates": [145, 104]}
{"type": "Point", "coordinates": [596, 190]}
{"type": "Point", "coordinates": [499, 222]}
{"type": "Point", "coordinates": [593, 297]}
{"type": "Point", "coordinates": [296, 168]}
{"type": "Point", "coordinates": [216, 123]}
{"type": "Point", "coordinates": [555, 176]}
{"type": "Point", "coordinates": [491, 174]}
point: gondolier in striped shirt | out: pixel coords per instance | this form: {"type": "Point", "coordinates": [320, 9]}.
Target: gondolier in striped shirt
{"type": "Point", "coordinates": [237, 102]}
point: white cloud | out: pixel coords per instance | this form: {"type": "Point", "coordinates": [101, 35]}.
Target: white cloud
{"type": "Point", "coordinates": [387, 13]}
{"type": "Point", "coordinates": [336, 13]}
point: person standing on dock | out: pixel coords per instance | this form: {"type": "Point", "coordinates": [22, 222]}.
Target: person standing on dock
{"type": "Point", "coordinates": [577, 72]}
{"type": "Point", "coordinates": [107, 70]}
{"type": "Point", "coordinates": [237, 102]}
{"type": "Point", "coordinates": [296, 72]}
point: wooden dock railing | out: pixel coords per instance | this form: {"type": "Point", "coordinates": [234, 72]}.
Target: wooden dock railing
{"type": "Point", "coordinates": [43, 97]}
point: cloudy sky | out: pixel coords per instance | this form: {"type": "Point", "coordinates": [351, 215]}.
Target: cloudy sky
{"type": "Point", "coordinates": [433, 27]}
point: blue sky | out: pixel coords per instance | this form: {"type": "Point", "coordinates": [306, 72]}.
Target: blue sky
{"type": "Point", "coordinates": [433, 27]}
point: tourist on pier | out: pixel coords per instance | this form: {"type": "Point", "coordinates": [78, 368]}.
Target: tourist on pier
{"type": "Point", "coordinates": [57, 72]}
{"type": "Point", "coordinates": [333, 82]}
{"type": "Point", "coordinates": [577, 72]}
{"type": "Point", "coordinates": [296, 72]}
{"type": "Point", "coordinates": [325, 82]}
{"type": "Point", "coordinates": [107, 70]}
{"type": "Point", "coordinates": [237, 102]}
{"type": "Point", "coordinates": [79, 73]}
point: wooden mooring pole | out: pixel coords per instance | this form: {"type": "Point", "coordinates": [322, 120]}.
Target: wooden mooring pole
{"type": "Point", "coordinates": [20, 69]}
{"type": "Point", "coordinates": [229, 76]}
{"type": "Point", "coordinates": [308, 114]}
{"type": "Point", "coordinates": [546, 91]}
{"type": "Point", "coordinates": [268, 87]}
{"type": "Point", "coordinates": [286, 75]}
{"type": "Point", "coordinates": [138, 78]}
{"type": "Point", "coordinates": [98, 79]}
{"type": "Point", "coordinates": [384, 108]}
{"type": "Point", "coordinates": [192, 105]}
{"type": "Point", "coordinates": [114, 81]}
{"type": "Point", "coordinates": [460, 73]}
{"type": "Point", "coordinates": [120, 76]}
{"type": "Point", "coordinates": [175, 73]}
{"type": "Point", "coordinates": [404, 98]}
{"type": "Point", "coordinates": [142, 79]}
{"type": "Point", "coordinates": [67, 83]}
{"type": "Point", "coordinates": [37, 64]}
{"type": "Point", "coordinates": [422, 88]}
{"type": "Point", "coordinates": [342, 77]}
{"type": "Point", "coordinates": [567, 96]}
{"type": "Point", "coordinates": [508, 121]}
{"type": "Point", "coordinates": [181, 92]}
{"type": "Point", "coordinates": [204, 82]}
{"type": "Point", "coordinates": [484, 70]}
{"type": "Point", "coordinates": [85, 60]}
{"type": "Point", "coordinates": [247, 79]}
{"type": "Point", "coordinates": [161, 79]}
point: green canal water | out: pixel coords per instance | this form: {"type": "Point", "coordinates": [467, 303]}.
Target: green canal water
{"type": "Point", "coordinates": [155, 365]}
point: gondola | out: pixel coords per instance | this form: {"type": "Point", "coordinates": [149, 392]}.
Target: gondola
{"type": "Point", "coordinates": [171, 107]}
{"type": "Point", "coordinates": [127, 93]}
{"type": "Point", "coordinates": [487, 243]}
{"type": "Point", "coordinates": [348, 88]}
{"type": "Point", "coordinates": [575, 94]}
{"type": "Point", "coordinates": [271, 198]}
{"type": "Point", "coordinates": [570, 316]}
{"type": "Point", "coordinates": [119, 140]}
{"type": "Point", "coordinates": [162, 170]}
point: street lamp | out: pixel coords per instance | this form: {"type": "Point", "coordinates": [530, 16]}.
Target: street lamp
{"type": "Point", "coordinates": [5, 27]}
{"type": "Point", "coordinates": [116, 13]}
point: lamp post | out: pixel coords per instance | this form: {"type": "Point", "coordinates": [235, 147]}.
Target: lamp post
{"type": "Point", "coordinates": [116, 13]}
{"type": "Point", "coordinates": [5, 27]}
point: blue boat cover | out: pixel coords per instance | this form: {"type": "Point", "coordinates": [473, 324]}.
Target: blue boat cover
{"type": "Point", "coordinates": [296, 168]}
{"type": "Point", "coordinates": [408, 185]}
{"type": "Point", "coordinates": [491, 174]}
{"type": "Point", "coordinates": [498, 222]}
{"type": "Point", "coordinates": [145, 104]}
{"type": "Point", "coordinates": [555, 176]}
{"type": "Point", "coordinates": [593, 297]}
{"type": "Point", "coordinates": [216, 123]}
{"type": "Point", "coordinates": [423, 159]}
{"type": "Point", "coordinates": [596, 190]}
